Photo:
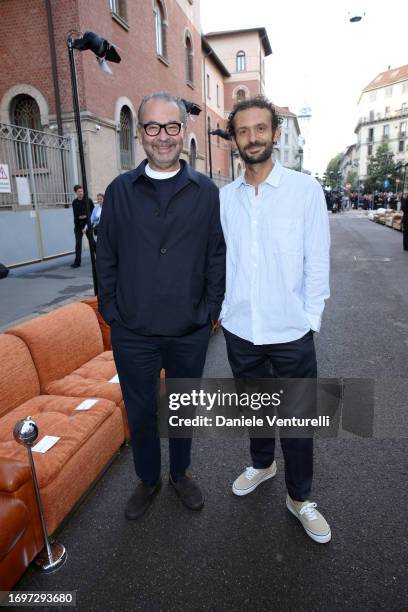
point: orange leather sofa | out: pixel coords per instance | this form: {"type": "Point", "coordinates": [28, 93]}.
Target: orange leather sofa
{"type": "Point", "coordinates": [48, 366]}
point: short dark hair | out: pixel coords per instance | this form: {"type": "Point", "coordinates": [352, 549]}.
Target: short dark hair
{"type": "Point", "coordinates": [76, 187]}
{"type": "Point", "coordinates": [167, 97]}
{"type": "Point", "coordinates": [255, 102]}
{"type": "Point", "coordinates": [100, 194]}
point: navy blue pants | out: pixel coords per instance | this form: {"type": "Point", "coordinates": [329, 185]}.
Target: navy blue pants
{"type": "Point", "coordinates": [138, 361]}
{"type": "Point", "coordinates": [295, 359]}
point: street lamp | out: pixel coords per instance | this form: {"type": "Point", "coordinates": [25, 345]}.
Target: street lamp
{"type": "Point", "coordinates": [222, 134]}
{"type": "Point", "coordinates": [104, 51]}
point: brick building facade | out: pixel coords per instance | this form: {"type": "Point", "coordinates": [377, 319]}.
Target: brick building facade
{"type": "Point", "coordinates": [162, 48]}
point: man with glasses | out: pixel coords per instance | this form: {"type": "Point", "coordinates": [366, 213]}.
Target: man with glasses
{"type": "Point", "coordinates": [161, 276]}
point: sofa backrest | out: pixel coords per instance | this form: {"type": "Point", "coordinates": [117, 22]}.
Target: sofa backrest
{"type": "Point", "coordinates": [18, 377]}
{"type": "Point", "coordinates": [105, 328]}
{"type": "Point", "coordinates": [61, 341]}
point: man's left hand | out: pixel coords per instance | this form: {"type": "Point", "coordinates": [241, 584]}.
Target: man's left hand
{"type": "Point", "coordinates": [215, 326]}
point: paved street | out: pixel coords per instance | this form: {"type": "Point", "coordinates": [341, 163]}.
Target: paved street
{"type": "Point", "coordinates": [249, 553]}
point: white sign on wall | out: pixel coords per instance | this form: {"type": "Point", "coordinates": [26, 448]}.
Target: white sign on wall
{"type": "Point", "coordinates": [5, 184]}
{"type": "Point", "coordinates": [23, 191]}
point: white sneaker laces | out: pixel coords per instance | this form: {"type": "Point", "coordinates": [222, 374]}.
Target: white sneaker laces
{"type": "Point", "coordinates": [309, 510]}
{"type": "Point", "coordinates": [251, 472]}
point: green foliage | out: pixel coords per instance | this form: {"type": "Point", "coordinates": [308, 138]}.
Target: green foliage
{"type": "Point", "coordinates": [380, 167]}
{"type": "Point", "coordinates": [352, 178]}
{"type": "Point", "coordinates": [334, 165]}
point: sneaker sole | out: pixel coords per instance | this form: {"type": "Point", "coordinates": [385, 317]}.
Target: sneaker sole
{"type": "Point", "coordinates": [242, 492]}
{"type": "Point", "coordinates": [320, 539]}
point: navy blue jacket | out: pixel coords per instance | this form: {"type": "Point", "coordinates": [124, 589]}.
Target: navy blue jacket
{"type": "Point", "coordinates": [161, 272]}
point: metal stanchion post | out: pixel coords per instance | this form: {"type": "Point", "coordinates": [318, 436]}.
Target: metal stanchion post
{"type": "Point", "coordinates": [53, 555]}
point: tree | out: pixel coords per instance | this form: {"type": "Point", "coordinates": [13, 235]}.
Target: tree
{"type": "Point", "coordinates": [352, 178]}
{"type": "Point", "coordinates": [380, 167]}
{"type": "Point", "coordinates": [333, 166]}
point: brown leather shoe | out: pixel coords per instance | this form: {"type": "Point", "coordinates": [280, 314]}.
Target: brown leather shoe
{"type": "Point", "coordinates": [141, 499]}
{"type": "Point", "coordinates": [189, 492]}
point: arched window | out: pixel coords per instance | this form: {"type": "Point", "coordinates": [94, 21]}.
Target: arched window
{"type": "Point", "coordinates": [189, 60]}
{"type": "Point", "coordinates": [126, 139]}
{"type": "Point", "coordinates": [241, 95]}
{"type": "Point", "coordinates": [25, 112]}
{"type": "Point", "coordinates": [160, 29]}
{"type": "Point", "coordinates": [193, 154]}
{"type": "Point", "coordinates": [241, 61]}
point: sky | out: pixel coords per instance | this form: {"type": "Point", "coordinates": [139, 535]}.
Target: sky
{"type": "Point", "coordinates": [319, 58]}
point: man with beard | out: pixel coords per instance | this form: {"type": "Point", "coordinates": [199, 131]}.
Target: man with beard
{"type": "Point", "coordinates": [161, 274]}
{"type": "Point", "coordinates": [276, 229]}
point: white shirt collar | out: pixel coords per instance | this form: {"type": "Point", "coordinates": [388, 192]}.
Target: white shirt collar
{"type": "Point", "coordinates": [273, 178]}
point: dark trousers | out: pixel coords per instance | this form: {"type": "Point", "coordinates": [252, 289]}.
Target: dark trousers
{"type": "Point", "coordinates": [295, 359]}
{"type": "Point", "coordinates": [138, 360]}
{"type": "Point", "coordinates": [78, 229]}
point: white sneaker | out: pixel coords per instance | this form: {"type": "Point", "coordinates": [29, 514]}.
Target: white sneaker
{"type": "Point", "coordinates": [251, 478]}
{"type": "Point", "coordinates": [313, 522]}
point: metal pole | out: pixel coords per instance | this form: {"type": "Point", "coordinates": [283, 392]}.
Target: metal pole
{"type": "Point", "coordinates": [34, 194]}
{"type": "Point", "coordinates": [75, 98]}
{"type": "Point", "coordinates": [209, 151]}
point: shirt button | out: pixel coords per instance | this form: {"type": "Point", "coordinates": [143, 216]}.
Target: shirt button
{"type": "Point", "coordinates": [163, 251]}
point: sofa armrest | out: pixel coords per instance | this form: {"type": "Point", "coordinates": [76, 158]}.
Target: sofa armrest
{"type": "Point", "coordinates": [13, 474]}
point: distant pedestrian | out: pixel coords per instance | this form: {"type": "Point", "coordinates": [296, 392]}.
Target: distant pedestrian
{"type": "Point", "coordinates": [404, 208]}
{"type": "Point", "coordinates": [80, 222]}
{"type": "Point", "coordinates": [96, 213]}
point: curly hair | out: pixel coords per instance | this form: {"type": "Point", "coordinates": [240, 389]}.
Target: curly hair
{"type": "Point", "coordinates": [255, 102]}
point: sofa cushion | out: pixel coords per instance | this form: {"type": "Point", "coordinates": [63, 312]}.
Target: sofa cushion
{"type": "Point", "coordinates": [18, 377]}
{"type": "Point", "coordinates": [105, 328]}
{"type": "Point", "coordinates": [55, 416]}
{"type": "Point", "coordinates": [14, 517]}
{"type": "Point", "coordinates": [61, 341]}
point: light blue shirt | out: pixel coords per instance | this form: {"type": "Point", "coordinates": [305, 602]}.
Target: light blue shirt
{"type": "Point", "coordinates": [278, 245]}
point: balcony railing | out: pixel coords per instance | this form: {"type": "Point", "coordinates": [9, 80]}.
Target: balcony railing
{"type": "Point", "coordinates": [377, 117]}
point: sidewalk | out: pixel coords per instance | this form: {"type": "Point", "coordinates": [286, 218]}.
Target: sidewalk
{"type": "Point", "coordinates": [37, 288]}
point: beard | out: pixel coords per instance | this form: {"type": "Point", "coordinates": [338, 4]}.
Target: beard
{"type": "Point", "coordinates": [259, 158]}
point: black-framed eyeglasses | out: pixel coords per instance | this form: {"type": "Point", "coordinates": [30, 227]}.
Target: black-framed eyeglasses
{"type": "Point", "coordinates": [172, 128]}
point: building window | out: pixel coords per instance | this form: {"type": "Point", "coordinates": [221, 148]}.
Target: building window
{"type": "Point", "coordinates": [241, 95]}
{"type": "Point", "coordinates": [369, 150]}
{"type": "Point", "coordinates": [26, 113]}
{"type": "Point", "coordinates": [286, 139]}
{"type": "Point", "coordinates": [371, 116]}
{"type": "Point", "coordinates": [160, 29]}
{"type": "Point", "coordinates": [387, 110]}
{"type": "Point", "coordinates": [401, 146]}
{"type": "Point", "coordinates": [373, 96]}
{"type": "Point", "coordinates": [193, 154]}
{"type": "Point", "coordinates": [404, 107]}
{"type": "Point", "coordinates": [208, 86]}
{"type": "Point", "coordinates": [370, 134]}
{"type": "Point", "coordinates": [189, 60]}
{"type": "Point", "coordinates": [241, 61]}
{"type": "Point", "coordinates": [218, 95]}
{"type": "Point", "coordinates": [126, 139]}
{"type": "Point", "coordinates": [118, 8]}
{"type": "Point", "coordinates": [386, 131]}
{"type": "Point", "coordinates": [403, 128]}
{"type": "Point", "coordinates": [285, 156]}
{"type": "Point", "coordinates": [388, 92]}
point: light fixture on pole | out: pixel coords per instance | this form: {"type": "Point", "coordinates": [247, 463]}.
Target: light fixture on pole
{"type": "Point", "coordinates": [104, 51]}
{"type": "Point", "coordinates": [222, 134]}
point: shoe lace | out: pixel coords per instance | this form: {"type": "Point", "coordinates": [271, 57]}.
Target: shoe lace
{"type": "Point", "coordinates": [309, 510]}
{"type": "Point", "coordinates": [250, 472]}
